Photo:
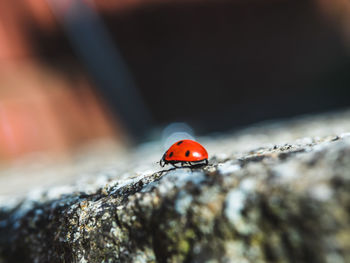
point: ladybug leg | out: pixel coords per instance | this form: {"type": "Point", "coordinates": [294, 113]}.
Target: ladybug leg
{"type": "Point", "coordinates": [173, 164]}
{"type": "Point", "coordinates": [165, 171]}
{"type": "Point", "coordinates": [183, 164]}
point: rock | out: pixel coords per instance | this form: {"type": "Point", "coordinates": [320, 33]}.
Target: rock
{"type": "Point", "coordinates": [274, 202]}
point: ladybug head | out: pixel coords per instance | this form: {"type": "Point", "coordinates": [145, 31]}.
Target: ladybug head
{"type": "Point", "coordinates": [162, 161]}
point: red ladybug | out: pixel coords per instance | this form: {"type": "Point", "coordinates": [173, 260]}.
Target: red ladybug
{"type": "Point", "coordinates": [185, 152]}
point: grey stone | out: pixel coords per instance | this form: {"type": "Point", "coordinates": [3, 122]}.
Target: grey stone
{"type": "Point", "coordinates": [276, 198]}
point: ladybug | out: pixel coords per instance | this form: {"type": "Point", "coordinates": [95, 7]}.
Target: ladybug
{"type": "Point", "coordinates": [185, 152]}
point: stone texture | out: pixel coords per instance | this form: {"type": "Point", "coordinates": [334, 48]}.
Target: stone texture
{"type": "Point", "coordinates": [266, 196]}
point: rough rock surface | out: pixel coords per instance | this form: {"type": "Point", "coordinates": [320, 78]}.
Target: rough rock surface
{"type": "Point", "coordinates": [266, 196]}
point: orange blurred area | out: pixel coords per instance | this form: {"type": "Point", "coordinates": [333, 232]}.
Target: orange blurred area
{"type": "Point", "coordinates": [42, 108]}
{"type": "Point", "coordinates": [339, 12]}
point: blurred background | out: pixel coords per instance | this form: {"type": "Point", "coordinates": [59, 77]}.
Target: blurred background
{"type": "Point", "coordinates": [77, 72]}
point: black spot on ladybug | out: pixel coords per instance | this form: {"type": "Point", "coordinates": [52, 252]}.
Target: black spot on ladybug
{"type": "Point", "coordinates": [187, 153]}
{"type": "Point", "coordinates": [180, 142]}
{"type": "Point", "coordinates": [171, 154]}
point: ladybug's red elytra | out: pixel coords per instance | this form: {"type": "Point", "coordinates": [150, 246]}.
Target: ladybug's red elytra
{"type": "Point", "coordinates": [185, 152]}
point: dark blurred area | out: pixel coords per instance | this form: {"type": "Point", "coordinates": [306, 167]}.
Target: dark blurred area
{"type": "Point", "coordinates": [74, 71]}
{"type": "Point", "coordinates": [220, 64]}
